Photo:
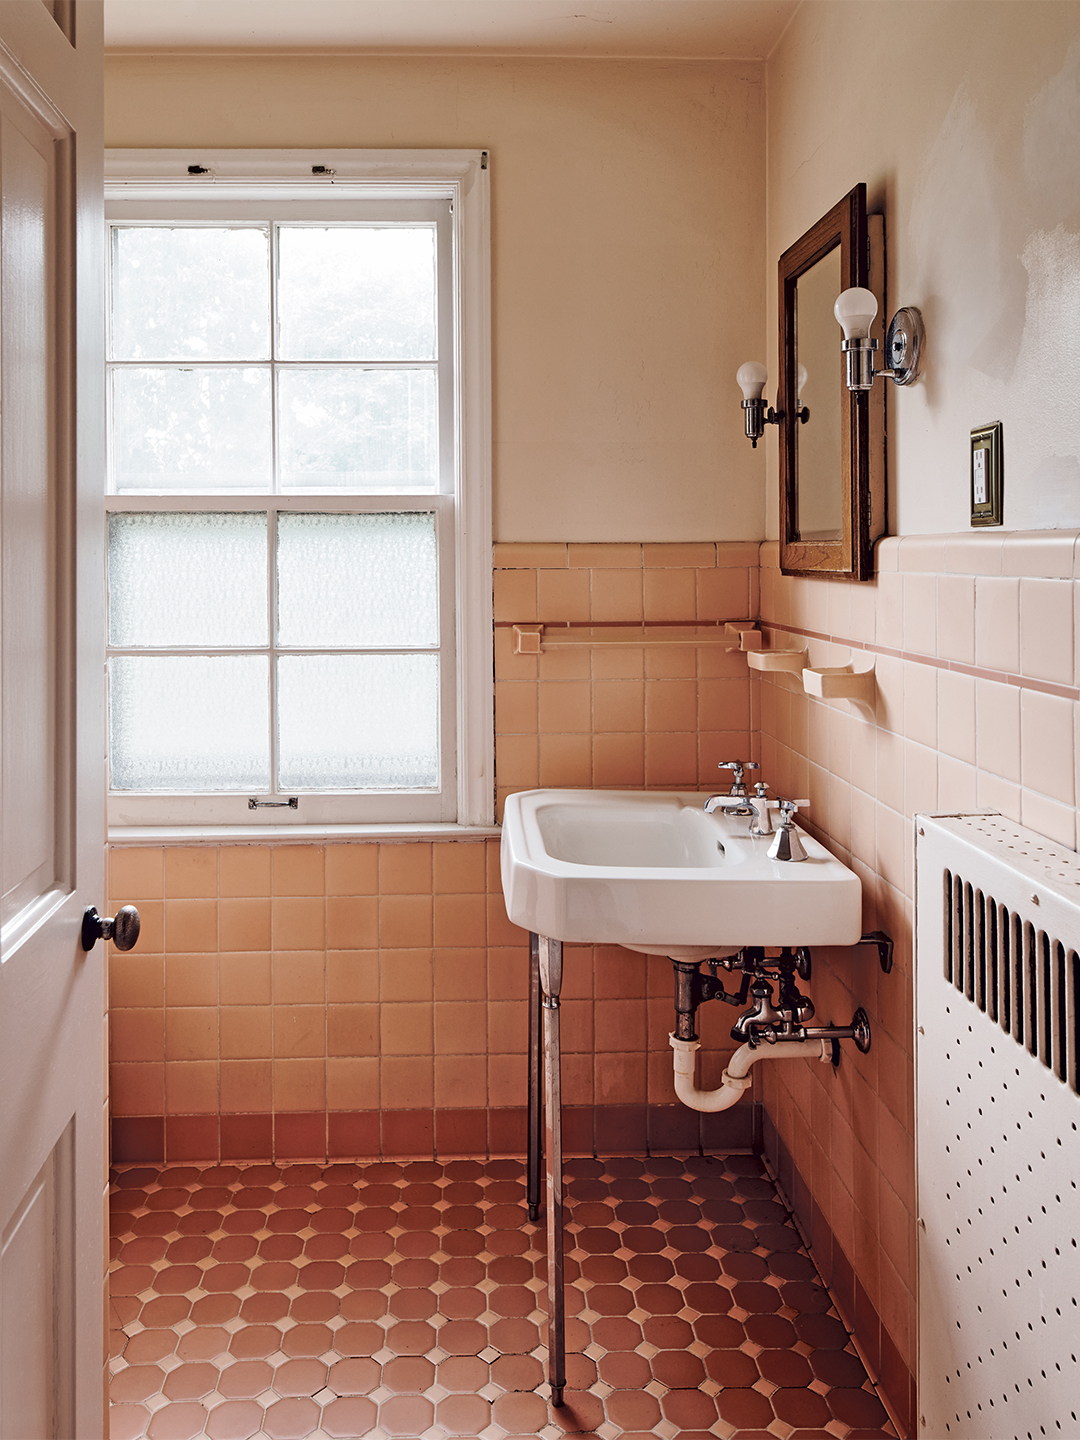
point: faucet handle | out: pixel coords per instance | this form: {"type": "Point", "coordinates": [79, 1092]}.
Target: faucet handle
{"type": "Point", "coordinates": [738, 765]}
{"type": "Point", "coordinates": [789, 808]}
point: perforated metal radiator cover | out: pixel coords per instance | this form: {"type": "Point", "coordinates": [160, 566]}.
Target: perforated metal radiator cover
{"type": "Point", "coordinates": [997, 1016]}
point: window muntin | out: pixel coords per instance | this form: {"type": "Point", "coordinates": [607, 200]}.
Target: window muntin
{"type": "Point", "coordinates": [380, 742]}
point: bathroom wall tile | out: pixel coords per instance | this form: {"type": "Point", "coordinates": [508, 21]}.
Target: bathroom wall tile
{"type": "Point", "coordinates": [890, 611]}
{"type": "Point", "coordinates": [460, 920]}
{"type": "Point", "coordinates": [839, 800]}
{"type": "Point", "coordinates": [838, 729]}
{"type": "Point", "coordinates": [405, 869]}
{"type": "Point", "coordinates": [573, 663]}
{"type": "Point", "coordinates": [957, 792]}
{"type": "Point", "coordinates": [191, 1087]}
{"type": "Point", "coordinates": [562, 595]}
{"type": "Point", "coordinates": [191, 872]}
{"type": "Point", "coordinates": [889, 679]}
{"type": "Point", "coordinates": [997, 624]}
{"type": "Point", "coordinates": [920, 703]}
{"type": "Point", "coordinates": [1046, 553]}
{"type": "Point", "coordinates": [244, 979]}
{"type": "Point", "coordinates": [299, 977]}
{"type": "Point", "coordinates": [460, 1027]}
{"type": "Point", "coordinates": [244, 924]}
{"type": "Point", "coordinates": [404, 921]}
{"type": "Point", "coordinates": [191, 980]}
{"type": "Point", "coordinates": [244, 870]}
{"type": "Point", "coordinates": [461, 974]}
{"type": "Point", "coordinates": [298, 922]}
{"type": "Point", "coordinates": [352, 976]}
{"type": "Point", "coordinates": [679, 556]}
{"type": "Point", "coordinates": [669, 594]}
{"type": "Point", "coordinates": [246, 1086]}
{"type": "Point", "coordinates": [863, 622]}
{"type": "Point", "coordinates": [723, 595]}
{"type": "Point", "coordinates": [565, 706]}
{"type": "Point", "coordinates": [616, 1076]}
{"type": "Point", "coordinates": [670, 705]}
{"type": "Point", "coordinates": [671, 760]}
{"type": "Point", "coordinates": [406, 1082]}
{"type": "Point", "coordinates": [298, 870]}
{"type": "Point", "coordinates": [458, 868]}
{"type": "Point", "coordinates": [500, 929]}
{"type": "Point", "coordinates": [616, 595]}
{"type": "Point", "coordinates": [863, 741]}
{"type": "Point", "coordinates": [974, 554]}
{"type": "Point", "coordinates": [137, 871]}
{"type": "Point", "coordinates": [460, 1081]}
{"type": "Point", "coordinates": [920, 779]}
{"type": "Point", "coordinates": [1046, 619]}
{"type": "Point", "coordinates": [190, 925]}
{"type": "Point", "coordinates": [565, 760]}
{"type": "Point", "coordinates": [618, 705]}
{"type": "Point", "coordinates": [997, 733]}
{"type": "Point", "coordinates": [515, 595]}
{"type": "Point", "coordinates": [920, 614]}
{"type": "Point", "coordinates": [618, 761]}
{"type": "Point", "coordinates": [299, 1030]}
{"type": "Point", "coordinates": [1047, 745]}
{"type": "Point", "coordinates": [524, 556]}
{"type": "Point", "coordinates": [352, 922]}
{"type": "Point", "coordinates": [725, 704]}
{"type": "Point", "coordinates": [676, 662]}
{"type": "Point", "coordinates": [299, 1084]}
{"type": "Point", "coordinates": [352, 869]}
{"type": "Point", "coordinates": [405, 1029]}
{"type": "Point", "coordinates": [891, 846]}
{"type": "Point", "coordinates": [245, 1032]}
{"type": "Point", "coordinates": [925, 553]}
{"type": "Point", "coordinates": [1049, 817]}
{"type": "Point", "coordinates": [137, 980]}
{"type": "Point", "coordinates": [352, 1083]}
{"type": "Point", "coordinates": [191, 1033]}
{"type": "Point", "coordinates": [603, 557]}
{"type": "Point", "coordinates": [406, 974]}
{"type": "Point", "coordinates": [137, 1035]}
{"type": "Point", "coordinates": [137, 1089]}
{"type": "Point", "coordinates": [508, 665]}
{"type": "Point", "coordinates": [956, 618]}
{"type": "Point", "coordinates": [517, 762]}
{"type": "Point", "coordinates": [618, 664]}
{"type": "Point", "coordinates": [352, 1030]}
{"type": "Point", "coordinates": [956, 714]}
{"type": "Point", "coordinates": [997, 794]}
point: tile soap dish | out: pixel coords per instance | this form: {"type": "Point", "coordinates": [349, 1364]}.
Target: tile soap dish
{"type": "Point", "coordinates": [853, 681]}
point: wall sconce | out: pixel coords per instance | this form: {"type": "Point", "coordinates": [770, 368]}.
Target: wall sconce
{"type": "Point", "coordinates": [751, 378]}
{"type": "Point", "coordinates": [855, 310]}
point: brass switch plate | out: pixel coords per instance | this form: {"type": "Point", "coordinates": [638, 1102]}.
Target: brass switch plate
{"type": "Point", "coordinates": [988, 475]}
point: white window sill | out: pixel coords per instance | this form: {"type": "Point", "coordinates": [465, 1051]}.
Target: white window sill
{"type": "Point", "coordinates": [293, 834]}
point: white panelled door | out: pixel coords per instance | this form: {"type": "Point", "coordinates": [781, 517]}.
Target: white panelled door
{"type": "Point", "coordinates": [52, 992]}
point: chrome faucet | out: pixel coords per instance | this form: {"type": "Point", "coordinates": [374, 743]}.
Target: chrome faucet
{"type": "Point", "coordinates": [787, 845]}
{"type": "Point", "coordinates": [738, 802]}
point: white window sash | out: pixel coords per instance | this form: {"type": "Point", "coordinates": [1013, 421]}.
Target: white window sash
{"type": "Point", "coordinates": [148, 185]}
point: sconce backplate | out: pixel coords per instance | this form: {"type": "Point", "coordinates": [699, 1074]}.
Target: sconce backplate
{"type": "Point", "coordinates": [903, 345]}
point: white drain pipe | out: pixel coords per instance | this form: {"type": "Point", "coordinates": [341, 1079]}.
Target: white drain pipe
{"type": "Point", "coordinates": [736, 1077]}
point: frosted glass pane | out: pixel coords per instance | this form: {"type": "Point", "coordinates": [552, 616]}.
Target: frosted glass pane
{"type": "Point", "coordinates": [358, 722]}
{"type": "Point", "coordinates": [357, 429]}
{"type": "Point", "coordinates": [190, 294]}
{"type": "Point", "coordinates": [189, 723]}
{"type": "Point", "coordinates": [356, 293]}
{"type": "Point", "coordinates": [195, 580]}
{"type": "Point", "coordinates": [367, 580]}
{"type": "Point", "coordinates": [191, 429]}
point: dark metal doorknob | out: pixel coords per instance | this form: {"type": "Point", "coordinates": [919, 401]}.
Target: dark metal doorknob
{"type": "Point", "coordinates": [122, 929]}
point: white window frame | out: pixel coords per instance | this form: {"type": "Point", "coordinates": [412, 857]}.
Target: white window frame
{"type": "Point", "coordinates": [153, 184]}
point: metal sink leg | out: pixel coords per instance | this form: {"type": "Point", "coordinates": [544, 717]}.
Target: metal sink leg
{"type": "Point", "coordinates": [535, 1114]}
{"type": "Point", "coordinates": [550, 957]}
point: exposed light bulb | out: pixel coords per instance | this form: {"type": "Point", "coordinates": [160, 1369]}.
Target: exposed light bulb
{"type": "Point", "coordinates": [855, 310]}
{"type": "Point", "coordinates": [800, 381]}
{"type": "Point", "coordinates": [751, 378]}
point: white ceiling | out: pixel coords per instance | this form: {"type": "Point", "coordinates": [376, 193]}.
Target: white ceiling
{"type": "Point", "coordinates": [698, 29]}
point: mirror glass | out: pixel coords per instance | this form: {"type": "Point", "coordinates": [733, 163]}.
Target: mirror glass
{"type": "Point", "coordinates": [819, 371]}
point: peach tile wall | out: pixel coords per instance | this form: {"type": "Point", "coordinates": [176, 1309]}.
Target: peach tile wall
{"type": "Point", "coordinates": [654, 716]}
{"type": "Point", "coordinates": [358, 999]}
{"type": "Point", "coordinates": [976, 708]}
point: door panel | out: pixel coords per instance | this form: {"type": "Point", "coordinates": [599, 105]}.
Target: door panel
{"type": "Point", "coordinates": [52, 993]}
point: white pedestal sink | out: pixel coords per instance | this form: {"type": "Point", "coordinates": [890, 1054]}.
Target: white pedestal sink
{"type": "Point", "coordinates": [652, 872]}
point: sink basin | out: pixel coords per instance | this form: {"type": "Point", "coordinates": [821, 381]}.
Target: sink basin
{"type": "Point", "coordinates": [652, 872]}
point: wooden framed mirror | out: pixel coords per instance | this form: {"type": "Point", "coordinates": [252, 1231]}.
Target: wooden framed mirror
{"type": "Point", "coordinates": [832, 440]}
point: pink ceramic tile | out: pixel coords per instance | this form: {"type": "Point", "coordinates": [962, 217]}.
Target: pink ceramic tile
{"type": "Point", "coordinates": [1046, 638]}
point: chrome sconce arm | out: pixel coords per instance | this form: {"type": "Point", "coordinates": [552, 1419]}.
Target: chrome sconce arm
{"type": "Point", "coordinates": [855, 310]}
{"type": "Point", "coordinates": [758, 413]}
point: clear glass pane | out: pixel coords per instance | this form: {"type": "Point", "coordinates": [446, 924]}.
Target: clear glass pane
{"type": "Point", "coordinates": [358, 722]}
{"type": "Point", "coordinates": [190, 293]}
{"type": "Point", "coordinates": [190, 723]}
{"type": "Point", "coordinates": [191, 429]}
{"type": "Point", "coordinates": [356, 292]}
{"type": "Point", "coordinates": [187, 580]}
{"type": "Point", "coordinates": [357, 429]}
{"type": "Point", "coordinates": [367, 580]}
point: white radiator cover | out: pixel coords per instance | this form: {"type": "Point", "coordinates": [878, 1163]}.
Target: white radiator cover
{"type": "Point", "coordinates": [997, 1018]}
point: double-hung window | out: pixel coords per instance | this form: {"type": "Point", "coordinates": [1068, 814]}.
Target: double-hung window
{"type": "Point", "coordinates": [298, 519]}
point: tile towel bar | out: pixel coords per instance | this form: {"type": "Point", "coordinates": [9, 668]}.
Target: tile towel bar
{"type": "Point", "coordinates": [533, 638]}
